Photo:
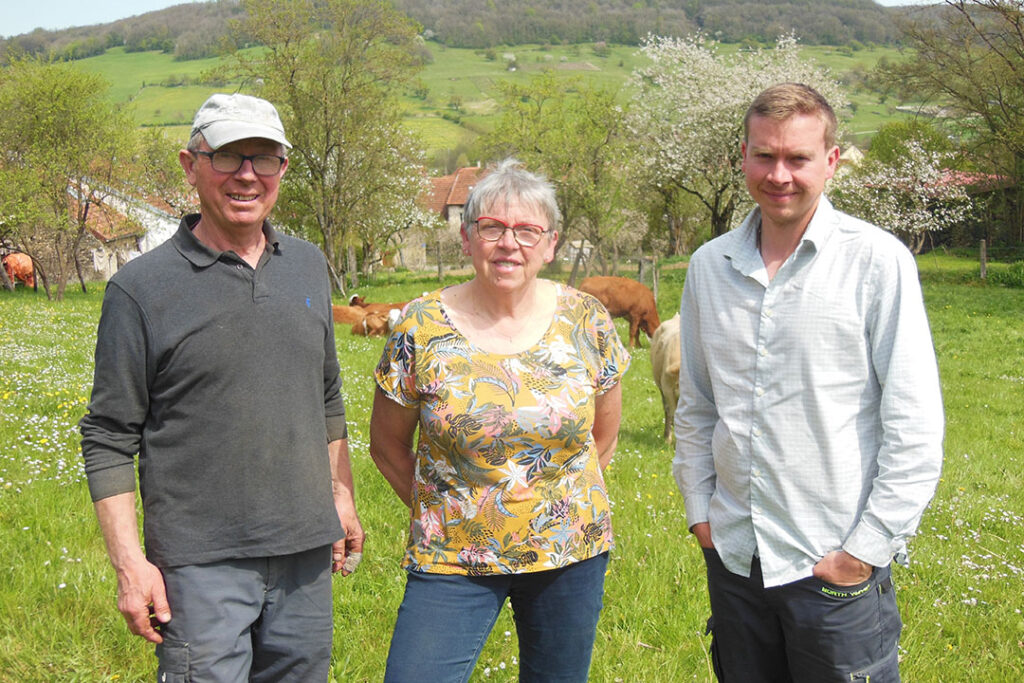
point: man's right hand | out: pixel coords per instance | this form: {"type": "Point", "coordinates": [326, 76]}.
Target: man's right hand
{"type": "Point", "coordinates": [142, 599]}
{"type": "Point", "coordinates": [702, 530]}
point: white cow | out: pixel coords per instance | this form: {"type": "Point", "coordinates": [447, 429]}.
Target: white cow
{"type": "Point", "coordinates": [665, 366]}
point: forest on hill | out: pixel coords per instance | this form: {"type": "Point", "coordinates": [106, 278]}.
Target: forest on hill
{"type": "Point", "coordinates": [199, 29]}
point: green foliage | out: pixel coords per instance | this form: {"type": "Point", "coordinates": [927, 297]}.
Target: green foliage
{"type": "Point", "coordinates": [573, 132]}
{"type": "Point", "coordinates": [892, 141]}
{"type": "Point", "coordinates": [1008, 276]}
{"type": "Point", "coordinates": [335, 69]}
{"type": "Point", "coordinates": [960, 599]}
{"type": "Point", "coordinates": [62, 140]}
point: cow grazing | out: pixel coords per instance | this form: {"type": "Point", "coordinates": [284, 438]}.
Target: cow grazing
{"type": "Point", "coordinates": [625, 298]}
{"type": "Point", "coordinates": [19, 267]}
{"type": "Point", "coordinates": [372, 325]}
{"type": "Point", "coordinates": [347, 314]}
{"type": "Point", "coordinates": [665, 366]}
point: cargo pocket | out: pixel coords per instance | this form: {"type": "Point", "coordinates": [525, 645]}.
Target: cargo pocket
{"type": "Point", "coordinates": [885, 670]}
{"type": "Point", "coordinates": [716, 663]}
{"type": "Point", "coordinates": [174, 662]}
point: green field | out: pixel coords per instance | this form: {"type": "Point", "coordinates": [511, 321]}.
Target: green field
{"type": "Point", "coordinates": [468, 78]}
{"type": "Point", "coordinates": [962, 598]}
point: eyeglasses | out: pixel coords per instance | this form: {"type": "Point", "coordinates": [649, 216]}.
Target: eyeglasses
{"type": "Point", "coordinates": [493, 229]}
{"type": "Point", "coordinates": [230, 162]}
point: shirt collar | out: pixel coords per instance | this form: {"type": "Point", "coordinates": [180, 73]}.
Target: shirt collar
{"type": "Point", "coordinates": [201, 255]}
{"type": "Point", "coordinates": [742, 248]}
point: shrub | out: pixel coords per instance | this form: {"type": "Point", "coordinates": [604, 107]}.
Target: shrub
{"type": "Point", "coordinates": [1008, 276]}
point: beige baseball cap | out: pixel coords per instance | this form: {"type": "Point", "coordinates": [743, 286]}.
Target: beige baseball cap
{"type": "Point", "coordinates": [226, 118]}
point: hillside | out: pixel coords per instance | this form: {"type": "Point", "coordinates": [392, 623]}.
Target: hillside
{"type": "Point", "coordinates": [454, 98]}
{"type": "Point", "coordinates": [194, 30]}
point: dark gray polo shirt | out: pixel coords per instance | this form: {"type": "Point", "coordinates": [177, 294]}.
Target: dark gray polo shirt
{"type": "Point", "coordinates": [224, 380]}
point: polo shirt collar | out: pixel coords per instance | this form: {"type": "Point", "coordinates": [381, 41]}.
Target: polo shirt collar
{"type": "Point", "coordinates": [200, 255]}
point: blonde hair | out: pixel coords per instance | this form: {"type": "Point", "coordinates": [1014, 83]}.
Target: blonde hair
{"type": "Point", "coordinates": [781, 101]}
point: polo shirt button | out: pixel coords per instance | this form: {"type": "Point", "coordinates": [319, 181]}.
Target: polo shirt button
{"type": "Point", "coordinates": [239, 266]}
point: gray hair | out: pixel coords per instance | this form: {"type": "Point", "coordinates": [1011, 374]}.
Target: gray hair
{"type": "Point", "coordinates": [195, 142]}
{"type": "Point", "coordinates": [509, 181]}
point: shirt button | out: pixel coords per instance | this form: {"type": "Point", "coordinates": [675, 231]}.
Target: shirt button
{"type": "Point", "coordinates": [239, 266]}
{"type": "Point", "coordinates": [762, 351]}
{"type": "Point", "coordinates": [759, 391]}
{"type": "Point", "coordinates": [756, 472]}
{"type": "Point", "coordinates": [757, 431]}
{"type": "Point", "coordinates": [768, 312]}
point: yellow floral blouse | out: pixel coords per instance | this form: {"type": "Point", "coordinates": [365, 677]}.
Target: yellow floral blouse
{"type": "Point", "coordinates": [507, 476]}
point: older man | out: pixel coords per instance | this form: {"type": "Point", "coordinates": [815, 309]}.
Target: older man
{"type": "Point", "coordinates": [216, 364]}
{"type": "Point", "coordinates": [809, 424]}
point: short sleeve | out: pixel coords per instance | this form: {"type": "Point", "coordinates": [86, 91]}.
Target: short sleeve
{"type": "Point", "coordinates": [613, 359]}
{"type": "Point", "coordinates": [396, 371]}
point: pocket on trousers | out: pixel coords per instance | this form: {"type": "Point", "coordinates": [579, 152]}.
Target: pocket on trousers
{"type": "Point", "coordinates": [175, 662]}
{"type": "Point", "coordinates": [716, 660]}
{"type": "Point", "coordinates": [885, 670]}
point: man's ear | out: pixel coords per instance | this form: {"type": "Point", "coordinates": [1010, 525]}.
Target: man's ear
{"type": "Point", "coordinates": [188, 163]}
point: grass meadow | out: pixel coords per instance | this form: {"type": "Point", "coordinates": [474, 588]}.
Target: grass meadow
{"type": "Point", "coordinates": [961, 599]}
{"type": "Point", "coordinates": [459, 92]}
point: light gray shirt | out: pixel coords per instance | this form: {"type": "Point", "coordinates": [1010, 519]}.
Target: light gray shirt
{"type": "Point", "coordinates": [810, 415]}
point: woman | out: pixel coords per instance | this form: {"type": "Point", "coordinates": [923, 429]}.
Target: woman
{"type": "Point", "coordinates": [513, 382]}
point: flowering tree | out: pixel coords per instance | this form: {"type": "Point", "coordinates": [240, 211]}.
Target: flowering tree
{"type": "Point", "coordinates": [688, 115]}
{"type": "Point", "coordinates": [911, 196]}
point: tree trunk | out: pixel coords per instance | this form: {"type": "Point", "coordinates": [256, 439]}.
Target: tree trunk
{"type": "Point", "coordinates": [576, 265]}
{"type": "Point", "coordinates": [6, 281]}
{"type": "Point", "coordinates": [337, 281]}
{"type": "Point", "coordinates": [353, 268]}
{"type": "Point", "coordinates": [81, 276]}
{"type": "Point", "coordinates": [437, 253]}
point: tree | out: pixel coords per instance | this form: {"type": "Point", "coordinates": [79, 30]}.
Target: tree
{"type": "Point", "coordinates": [159, 173]}
{"type": "Point", "coordinates": [63, 148]}
{"type": "Point", "coordinates": [911, 196]}
{"type": "Point", "coordinates": [892, 140]}
{"type": "Point", "coordinates": [688, 115]}
{"type": "Point", "coordinates": [334, 68]}
{"type": "Point", "coordinates": [572, 132]}
{"type": "Point", "coordinates": [969, 58]}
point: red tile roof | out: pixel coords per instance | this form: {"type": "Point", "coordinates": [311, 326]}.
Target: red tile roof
{"type": "Point", "coordinates": [453, 189]}
{"type": "Point", "coordinates": [107, 224]}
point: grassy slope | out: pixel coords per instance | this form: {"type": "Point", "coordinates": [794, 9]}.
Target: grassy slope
{"type": "Point", "coordinates": [465, 74]}
{"type": "Point", "coordinates": [961, 598]}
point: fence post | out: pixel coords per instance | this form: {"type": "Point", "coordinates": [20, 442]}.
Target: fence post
{"type": "Point", "coordinates": [984, 260]}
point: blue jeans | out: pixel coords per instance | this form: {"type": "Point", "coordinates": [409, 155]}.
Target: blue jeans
{"type": "Point", "coordinates": [266, 619]}
{"type": "Point", "coordinates": [807, 631]}
{"type": "Point", "coordinates": [444, 621]}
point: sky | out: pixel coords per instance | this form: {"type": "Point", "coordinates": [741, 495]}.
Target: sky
{"type": "Point", "coordinates": [22, 16]}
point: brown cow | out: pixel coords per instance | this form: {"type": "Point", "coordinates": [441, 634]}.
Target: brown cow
{"type": "Point", "coordinates": [372, 325]}
{"type": "Point", "coordinates": [665, 367]}
{"type": "Point", "coordinates": [347, 314]}
{"type": "Point", "coordinates": [625, 298]}
{"type": "Point", "coordinates": [19, 267]}
{"type": "Point", "coordinates": [383, 309]}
